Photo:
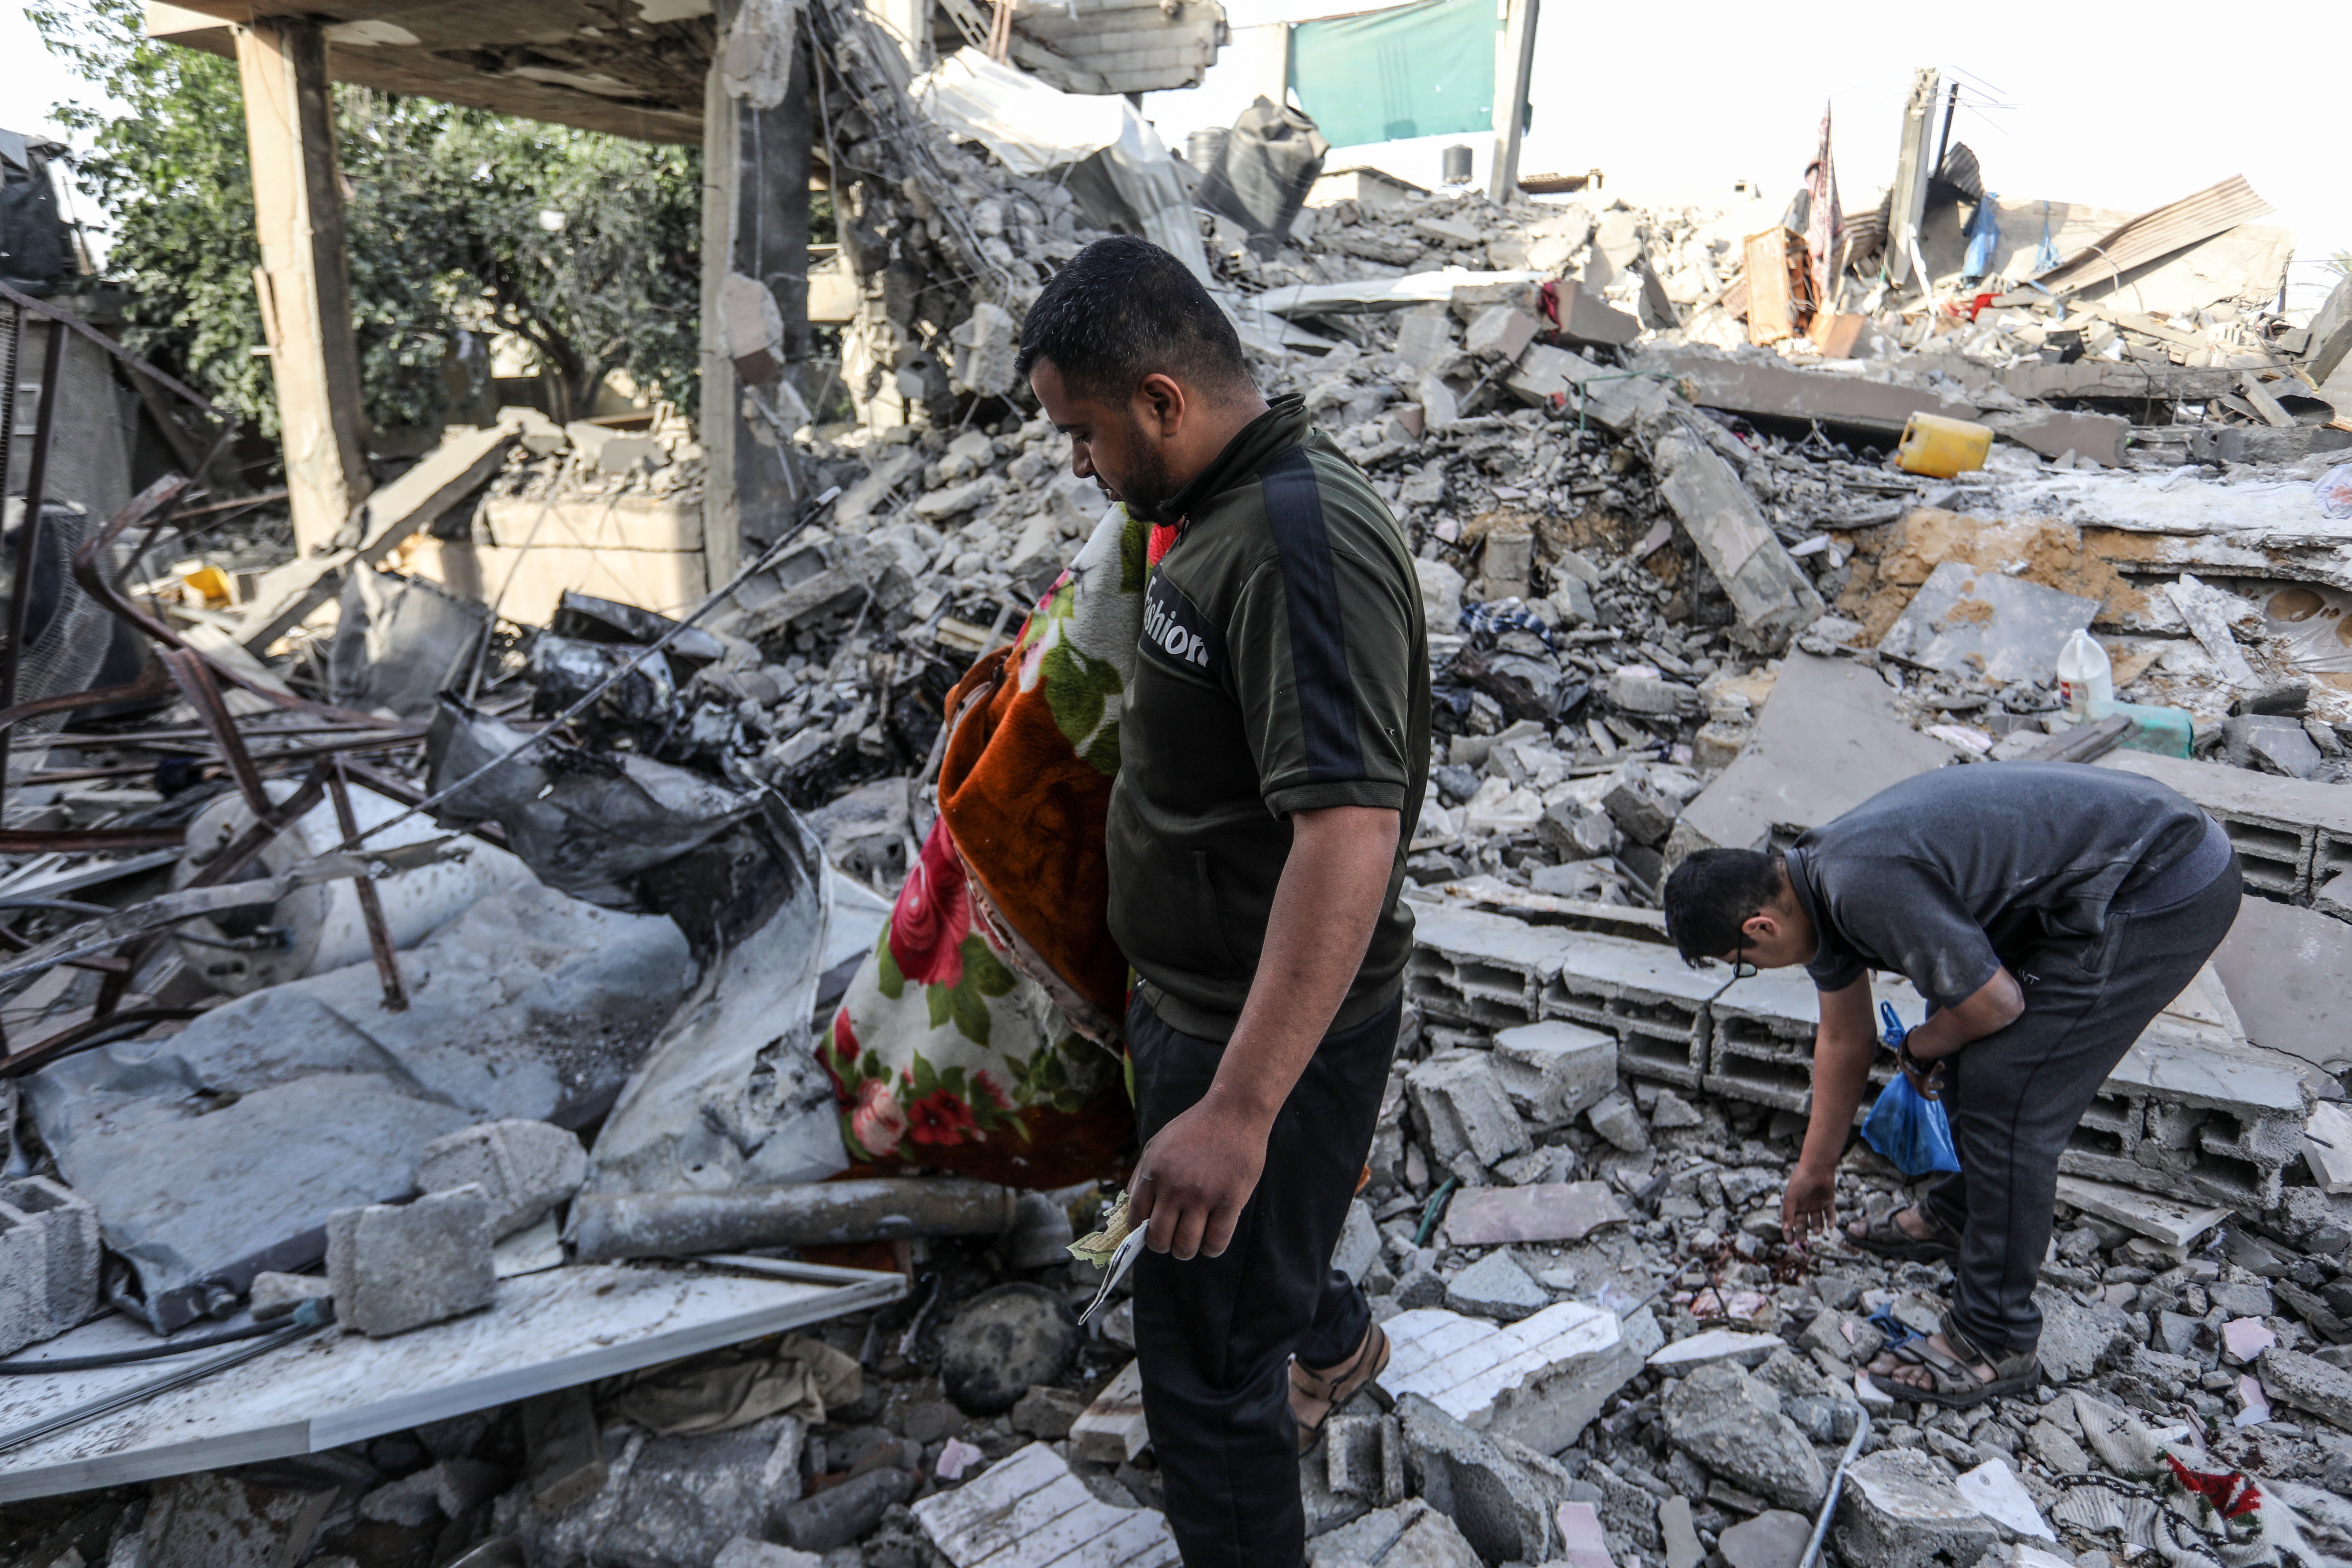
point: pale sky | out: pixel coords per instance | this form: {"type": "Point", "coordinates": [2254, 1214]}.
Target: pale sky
{"type": "Point", "coordinates": [2127, 110]}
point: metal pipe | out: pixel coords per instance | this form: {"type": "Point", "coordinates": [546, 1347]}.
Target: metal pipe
{"type": "Point", "coordinates": [388, 960]}
{"type": "Point", "coordinates": [684, 1223]}
{"type": "Point", "coordinates": [1830, 1501]}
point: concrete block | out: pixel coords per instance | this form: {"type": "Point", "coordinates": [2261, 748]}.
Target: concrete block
{"type": "Point", "coordinates": [1900, 1508]}
{"type": "Point", "coordinates": [1501, 1510]}
{"type": "Point", "coordinates": [1769, 592]}
{"type": "Point", "coordinates": [1460, 1107]}
{"type": "Point", "coordinates": [2308, 1383]}
{"type": "Point", "coordinates": [1425, 340]}
{"type": "Point", "coordinates": [1501, 331]}
{"type": "Point", "coordinates": [24, 1281]}
{"type": "Point", "coordinates": [1586, 318]}
{"type": "Point", "coordinates": [1554, 1071]}
{"type": "Point", "coordinates": [1497, 1287]}
{"type": "Point", "coordinates": [1540, 1381]}
{"type": "Point", "coordinates": [985, 349]}
{"type": "Point", "coordinates": [1540, 1211]}
{"type": "Point", "coordinates": [1364, 1457]}
{"type": "Point", "coordinates": [1640, 991]}
{"type": "Point", "coordinates": [1471, 967]}
{"type": "Point", "coordinates": [1028, 1511]}
{"type": "Point", "coordinates": [1639, 688]}
{"type": "Point", "coordinates": [1412, 1535]}
{"type": "Point", "coordinates": [394, 1268]}
{"type": "Point", "coordinates": [1557, 378]}
{"type": "Point", "coordinates": [1360, 1243]}
{"type": "Point", "coordinates": [67, 1227]}
{"type": "Point", "coordinates": [2290, 833]}
{"type": "Point", "coordinates": [2335, 896]}
{"type": "Point", "coordinates": [1640, 811]}
{"type": "Point", "coordinates": [1731, 1423]}
{"type": "Point", "coordinates": [524, 1169]}
{"type": "Point", "coordinates": [1449, 231]}
{"type": "Point", "coordinates": [1616, 1120]}
{"type": "Point", "coordinates": [1112, 1431]}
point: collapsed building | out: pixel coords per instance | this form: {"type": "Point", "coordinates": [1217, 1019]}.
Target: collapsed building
{"type": "Point", "coordinates": [417, 1151]}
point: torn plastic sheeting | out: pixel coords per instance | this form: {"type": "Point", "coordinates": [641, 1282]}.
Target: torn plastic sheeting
{"type": "Point", "coordinates": [732, 1095]}
{"type": "Point", "coordinates": [220, 1152]}
{"type": "Point", "coordinates": [586, 618]}
{"type": "Point", "coordinates": [684, 1223]}
{"type": "Point", "coordinates": [1126, 178]}
{"type": "Point", "coordinates": [589, 824]}
{"type": "Point", "coordinates": [1265, 167]}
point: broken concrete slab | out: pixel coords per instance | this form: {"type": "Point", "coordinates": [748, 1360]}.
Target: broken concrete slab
{"type": "Point", "coordinates": [1559, 378]}
{"type": "Point", "coordinates": [1969, 622]}
{"type": "Point", "coordinates": [226, 1520]}
{"type": "Point", "coordinates": [1027, 1511]}
{"type": "Point", "coordinates": [1688, 1354]}
{"type": "Point", "coordinates": [1112, 1431]}
{"type": "Point", "coordinates": [1501, 1510]}
{"type": "Point", "coordinates": [1731, 1423]}
{"type": "Point", "coordinates": [1773, 1538]}
{"type": "Point", "coordinates": [278, 1295]}
{"type": "Point", "coordinates": [2055, 432]}
{"type": "Point", "coordinates": [1461, 1107]}
{"type": "Point", "coordinates": [1546, 1211]}
{"type": "Point", "coordinates": [1769, 592]}
{"type": "Point", "coordinates": [1900, 1508]}
{"type": "Point", "coordinates": [1554, 1071]}
{"type": "Point", "coordinates": [2326, 1148]}
{"type": "Point", "coordinates": [2289, 974]}
{"type": "Point", "coordinates": [524, 1168]}
{"type": "Point", "coordinates": [1827, 739]}
{"type": "Point", "coordinates": [1763, 390]}
{"type": "Point", "coordinates": [2308, 1383]}
{"type": "Point", "coordinates": [1413, 1535]}
{"type": "Point", "coordinates": [1538, 1381]}
{"type": "Point", "coordinates": [2159, 1219]}
{"type": "Point", "coordinates": [1497, 1287]}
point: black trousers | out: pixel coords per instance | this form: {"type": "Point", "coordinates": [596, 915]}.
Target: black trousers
{"type": "Point", "coordinates": [1215, 1335]}
{"type": "Point", "coordinates": [2015, 1096]}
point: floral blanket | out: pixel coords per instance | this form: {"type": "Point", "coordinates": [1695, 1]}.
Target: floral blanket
{"type": "Point", "coordinates": [983, 1037]}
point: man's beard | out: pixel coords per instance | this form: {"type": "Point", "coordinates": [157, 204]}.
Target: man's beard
{"type": "Point", "coordinates": [1147, 487]}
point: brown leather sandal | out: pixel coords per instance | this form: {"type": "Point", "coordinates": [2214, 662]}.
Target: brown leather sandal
{"type": "Point", "coordinates": [1315, 1394]}
{"type": "Point", "coordinates": [1955, 1385]}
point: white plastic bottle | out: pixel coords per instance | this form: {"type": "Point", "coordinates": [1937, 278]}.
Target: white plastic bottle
{"type": "Point", "coordinates": [2085, 677]}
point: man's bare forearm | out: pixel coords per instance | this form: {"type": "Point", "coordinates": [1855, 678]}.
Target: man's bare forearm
{"type": "Point", "coordinates": [1333, 887]}
{"type": "Point", "coordinates": [1842, 1052]}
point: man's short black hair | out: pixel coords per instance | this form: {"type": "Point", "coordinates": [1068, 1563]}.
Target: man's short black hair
{"type": "Point", "coordinates": [1122, 309]}
{"type": "Point", "coordinates": [1713, 893]}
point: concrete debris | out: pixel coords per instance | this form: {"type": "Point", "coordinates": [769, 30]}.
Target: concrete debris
{"type": "Point", "coordinates": [1111, 1430]}
{"type": "Point", "coordinates": [1537, 1381]}
{"type": "Point", "coordinates": [1731, 1423]}
{"type": "Point", "coordinates": [1502, 1509]}
{"type": "Point", "coordinates": [1028, 1511]}
{"type": "Point", "coordinates": [1903, 1508]}
{"type": "Point", "coordinates": [394, 1268]}
{"type": "Point", "coordinates": [524, 1169]}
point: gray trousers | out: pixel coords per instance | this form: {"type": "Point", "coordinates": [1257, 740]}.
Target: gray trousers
{"type": "Point", "coordinates": [2014, 1097]}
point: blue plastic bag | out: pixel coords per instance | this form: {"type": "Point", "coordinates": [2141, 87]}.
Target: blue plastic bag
{"type": "Point", "coordinates": [1911, 1130]}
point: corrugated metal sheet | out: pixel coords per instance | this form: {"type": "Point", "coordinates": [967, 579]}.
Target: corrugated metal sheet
{"type": "Point", "coordinates": [2155, 235]}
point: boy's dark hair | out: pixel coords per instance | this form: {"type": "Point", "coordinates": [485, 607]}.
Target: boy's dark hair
{"type": "Point", "coordinates": [1122, 309]}
{"type": "Point", "coordinates": [1712, 894]}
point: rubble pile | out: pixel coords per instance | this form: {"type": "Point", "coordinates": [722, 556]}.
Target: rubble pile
{"type": "Point", "coordinates": [1689, 581]}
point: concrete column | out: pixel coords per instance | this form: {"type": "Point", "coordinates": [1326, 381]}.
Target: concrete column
{"type": "Point", "coordinates": [755, 334]}
{"type": "Point", "coordinates": [304, 279]}
{"type": "Point", "coordinates": [1515, 58]}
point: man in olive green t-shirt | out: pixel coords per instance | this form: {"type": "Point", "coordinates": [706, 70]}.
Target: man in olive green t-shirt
{"type": "Point", "coordinates": [1274, 750]}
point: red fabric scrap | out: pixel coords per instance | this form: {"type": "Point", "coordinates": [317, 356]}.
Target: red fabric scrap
{"type": "Point", "coordinates": [2230, 1493]}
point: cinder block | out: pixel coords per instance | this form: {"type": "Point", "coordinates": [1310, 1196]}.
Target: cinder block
{"type": "Point", "coordinates": [1640, 991]}
{"type": "Point", "coordinates": [1461, 1107]}
{"type": "Point", "coordinates": [1477, 968]}
{"type": "Point", "coordinates": [67, 1227]}
{"type": "Point", "coordinates": [1554, 1071]}
{"type": "Point", "coordinates": [397, 1267]}
{"type": "Point", "coordinates": [524, 1169]}
{"type": "Point", "coordinates": [24, 1280]}
{"type": "Point", "coordinates": [2290, 834]}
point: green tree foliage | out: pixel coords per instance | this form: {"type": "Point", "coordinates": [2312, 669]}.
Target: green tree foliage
{"type": "Point", "coordinates": [460, 223]}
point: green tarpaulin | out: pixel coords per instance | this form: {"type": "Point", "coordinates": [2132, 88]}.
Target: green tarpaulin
{"type": "Point", "coordinates": [1417, 71]}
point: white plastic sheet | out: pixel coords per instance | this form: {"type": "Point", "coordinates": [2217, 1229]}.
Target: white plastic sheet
{"type": "Point", "coordinates": [1032, 128]}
